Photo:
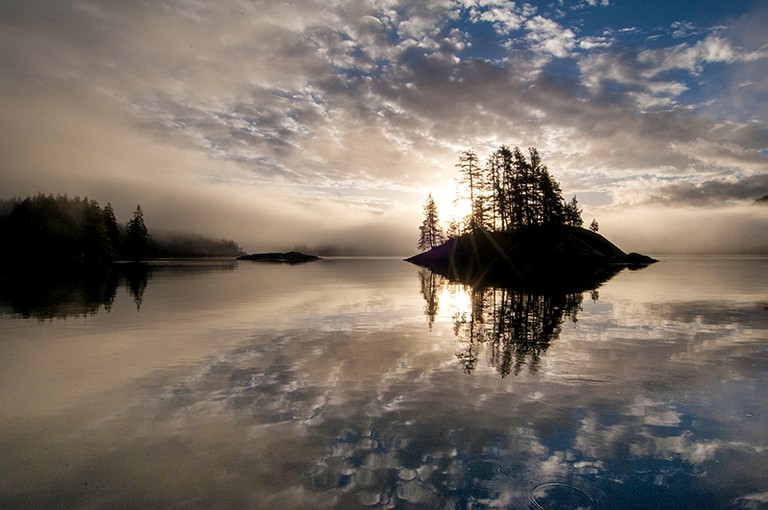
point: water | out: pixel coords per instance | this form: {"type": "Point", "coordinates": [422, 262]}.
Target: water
{"type": "Point", "coordinates": [369, 383]}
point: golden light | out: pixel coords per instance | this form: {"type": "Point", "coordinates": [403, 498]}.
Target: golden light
{"type": "Point", "coordinates": [455, 300]}
{"type": "Point", "coordinates": [448, 207]}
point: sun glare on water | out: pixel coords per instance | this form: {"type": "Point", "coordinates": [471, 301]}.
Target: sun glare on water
{"type": "Point", "coordinates": [456, 301]}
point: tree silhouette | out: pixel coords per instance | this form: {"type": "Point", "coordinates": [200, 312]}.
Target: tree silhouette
{"type": "Point", "coordinates": [594, 226]}
{"type": "Point", "coordinates": [512, 192]}
{"type": "Point", "coordinates": [454, 230]}
{"type": "Point", "coordinates": [138, 242]}
{"type": "Point", "coordinates": [112, 228]}
{"type": "Point", "coordinates": [471, 176]}
{"type": "Point", "coordinates": [430, 231]}
{"type": "Point", "coordinates": [572, 213]}
{"type": "Point", "coordinates": [56, 230]}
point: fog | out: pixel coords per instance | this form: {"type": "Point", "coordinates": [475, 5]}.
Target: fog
{"type": "Point", "coordinates": [660, 230]}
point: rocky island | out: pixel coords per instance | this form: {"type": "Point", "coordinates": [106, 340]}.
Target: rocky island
{"type": "Point", "coordinates": [291, 257]}
{"type": "Point", "coordinates": [545, 257]}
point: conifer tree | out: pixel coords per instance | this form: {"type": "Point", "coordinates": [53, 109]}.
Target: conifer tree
{"type": "Point", "coordinates": [138, 242]}
{"type": "Point", "coordinates": [430, 231]}
{"type": "Point", "coordinates": [113, 229]}
{"type": "Point", "coordinates": [471, 176]}
{"type": "Point", "coordinates": [572, 213]}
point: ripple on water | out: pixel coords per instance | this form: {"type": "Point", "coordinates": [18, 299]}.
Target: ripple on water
{"type": "Point", "coordinates": [487, 474]}
{"type": "Point", "coordinates": [562, 495]}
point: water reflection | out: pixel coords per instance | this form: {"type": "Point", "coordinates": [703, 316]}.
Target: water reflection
{"type": "Point", "coordinates": [75, 293]}
{"type": "Point", "coordinates": [322, 387]}
{"type": "Point", "coordinates": [514, 326]}
{"type": "Point", "coordinates": [84, 291]}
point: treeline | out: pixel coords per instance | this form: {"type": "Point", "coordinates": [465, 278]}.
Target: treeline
{"type": "Point", "coordinates": [60, 229]}
{"type": "Point", "coordinates": [510, 192]}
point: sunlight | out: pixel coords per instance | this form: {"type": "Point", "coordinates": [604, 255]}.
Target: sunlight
{"type": "Point", "coordinates": [455, 300]}
{"type": "Point", "coordinates": [448, 208]}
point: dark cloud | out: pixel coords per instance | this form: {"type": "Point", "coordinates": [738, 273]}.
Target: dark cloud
{"type": "Point", "coordinates": [714, 192]}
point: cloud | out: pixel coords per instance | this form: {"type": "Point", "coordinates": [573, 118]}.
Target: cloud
{"type": "Point", "coordinates": [549, 37]}
{"type": "Point", "coordinates": [505, 16]}
{"type": "Point", "coordinates": [361, 102]}
{"type": "Point", "coordinates": [693, 57]}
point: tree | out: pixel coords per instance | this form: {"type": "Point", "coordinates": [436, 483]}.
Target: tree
{"type": "Point", "coordinates": [430, 232]}
{"type": "Point", "coordinates": [454, 229]}
{"type": "Point", "coordinates": [594, 226]}
{"type": "Point", "coordinates": [471, 176]}
{"type": "Point", "coordinates": [138, 242]}
{"type": "Point", "coordinates": [572, 213]}
{"type": "Point", "coordinates": [58, 230]}
{"type": "Point", "coordinates": [113, 229]}
{"type": "Point", "coordinates": [551, 199]}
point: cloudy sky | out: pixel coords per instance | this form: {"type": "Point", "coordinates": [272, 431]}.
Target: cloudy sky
{"type": "Point", "coordinates": [326, 123]}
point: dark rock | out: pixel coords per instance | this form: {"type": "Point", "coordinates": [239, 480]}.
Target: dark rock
{"type": "Point", "coordinates": [638, 260]}
{"type": "Point", "coordinates": [291, 257]}
{"type": "Point", "coordinates": [554, 257]}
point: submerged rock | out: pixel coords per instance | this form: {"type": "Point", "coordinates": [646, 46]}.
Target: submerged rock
{"type": "Point", "coordinates": [291, 257]}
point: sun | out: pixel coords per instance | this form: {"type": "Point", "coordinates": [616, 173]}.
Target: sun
{"type": "Point", "coordinates": [448, 207]}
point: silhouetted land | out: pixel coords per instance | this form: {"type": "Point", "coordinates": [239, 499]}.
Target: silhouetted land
{"type": "Point", "coordinates": [63, 231]}
{"type": "Point", "coordinates": [548, 257]}
{"type": "Point", "coordinates": [291, 257]}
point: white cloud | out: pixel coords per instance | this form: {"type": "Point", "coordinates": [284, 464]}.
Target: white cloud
{"type": "Point", "coordinates": [549, 37]}
{"type": "Point", "coordinates": [693, 57]}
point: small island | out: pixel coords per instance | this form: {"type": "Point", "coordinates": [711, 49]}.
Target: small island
{"type": "Point", "coordinates": [291, 257]}
{"type": "Point", "coordinates": [552, 257]}
{"type": "Point", "coordinates": [520, 231]}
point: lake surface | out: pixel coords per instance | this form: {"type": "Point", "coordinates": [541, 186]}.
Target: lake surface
{"type": "Point", "coordinates": [372, 383]}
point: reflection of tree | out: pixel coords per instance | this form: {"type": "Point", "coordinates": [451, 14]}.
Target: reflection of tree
{"type": "Point", "coordinates": [137, 276]}
{"type": "Point", "coordinates": [59, 294]}
{"type": "Point", "coordinates": [73, 293]}
{"type": "Point", "coordinates": [431, 284]}
{"type": "Point", "coordinates": [516, 326]}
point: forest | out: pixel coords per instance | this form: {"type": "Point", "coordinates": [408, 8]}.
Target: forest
{"type": "Point", "coordinates": [510, 192]}
{"type": "Point", "coordinates": [62, 230]}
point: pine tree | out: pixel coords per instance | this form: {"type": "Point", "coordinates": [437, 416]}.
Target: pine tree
{"type": "Point", "coordinates": [138, 242]}
{"type": "Point", "coordinates": [430, 232]}
{"type": "Point", "coordinates": [113, 229]}
{"type": "Point", "coordinates": [573, 213]}
{"type": "Point", "coordinates": [471, 176]}
{"type": "Point", "coordinates": [551, 199]}
{"type": "Point", "coordinates": [594, 226]}
{"type": "Point", "coordinates": [454, 229]}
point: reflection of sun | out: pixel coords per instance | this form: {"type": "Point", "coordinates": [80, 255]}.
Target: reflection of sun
{"type": "Point", "coordinates": [455, 300]}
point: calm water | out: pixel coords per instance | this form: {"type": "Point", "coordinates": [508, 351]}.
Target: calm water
{"type": "Point", "coordinates": [371, 383]}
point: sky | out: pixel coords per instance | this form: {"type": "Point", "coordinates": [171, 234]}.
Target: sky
{"type": "Point", "coordinates": [325, 124]}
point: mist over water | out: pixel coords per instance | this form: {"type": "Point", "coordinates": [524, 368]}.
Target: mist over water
{"type": "Point", "coordinates": [372, 383]}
